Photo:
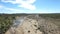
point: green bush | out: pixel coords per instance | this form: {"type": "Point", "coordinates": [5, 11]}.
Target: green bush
{"type": "Point", "coordinates": [5, 23]}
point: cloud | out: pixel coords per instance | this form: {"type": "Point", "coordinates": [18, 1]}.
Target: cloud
{"type": "Point", "coordinates": [7, 10]}
{"type": "Point", "coordinates": [28, 4]}
{"type": "Point", "coordinates": [4, 9]}
{"type": "Point", "coordinates": [10, 10]}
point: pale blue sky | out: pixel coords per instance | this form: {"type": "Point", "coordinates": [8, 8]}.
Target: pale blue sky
{"type": "Point", "coordinates": [31, 6]}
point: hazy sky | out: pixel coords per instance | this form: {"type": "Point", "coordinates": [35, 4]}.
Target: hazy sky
{"type": "Point", "coordinates": [29, 6]}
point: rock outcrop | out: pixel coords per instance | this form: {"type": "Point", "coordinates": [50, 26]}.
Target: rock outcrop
{"type": "Point", "coordinates": [34, 24]}
{"type": "Point", "coordinates": [27, 26]}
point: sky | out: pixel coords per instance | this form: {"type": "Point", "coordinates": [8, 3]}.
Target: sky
{"type": "Point", "coordinates": [29, 6]}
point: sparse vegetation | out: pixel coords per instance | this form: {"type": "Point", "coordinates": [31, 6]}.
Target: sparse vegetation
{"type": "Point", "coordinates": [55, 16]}
{"type": "Point", "coordinates": [6, 20]}
{"type": "Point", "coordinates": [5, 23]}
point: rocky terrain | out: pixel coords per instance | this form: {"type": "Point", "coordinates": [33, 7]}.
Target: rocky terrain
{"type": "Point", "coordinates": [34, 24]}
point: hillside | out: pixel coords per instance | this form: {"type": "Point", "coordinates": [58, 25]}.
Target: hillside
{"type": "Point", "coordinates": [6, 21]}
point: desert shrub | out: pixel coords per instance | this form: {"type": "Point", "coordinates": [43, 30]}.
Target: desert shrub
{"type": "Point", "coordinates": [5, 23]}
